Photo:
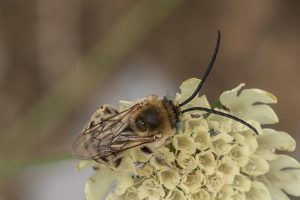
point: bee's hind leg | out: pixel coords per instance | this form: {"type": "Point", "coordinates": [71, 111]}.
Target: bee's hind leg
{"type": "Point", "coordinates": [116, 163]}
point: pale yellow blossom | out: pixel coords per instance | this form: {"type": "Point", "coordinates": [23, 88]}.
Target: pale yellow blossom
{"type": "Point", "coordinates": [258, 191]}
{"type": "Point", "coordinates": [184, 143]}
{"type": "Point", "coordinates": [201, 137]}
{"type": "Point", "coordinates": [138, 156]}
{"type": "Point", "coordinates": [239, 196]}
{"type": "Point", "coordinates": [241, 183]}
{"type": "Point", "coordinates": [250, 104]}
{"type": "Point", "coordinates": [229, 168]}
{"type": "Point", "coordinates": [186, 90]}
{"type": "Point", "coordinates": [283, 177]}
{"type": "Point", "coordinates": [221, 147]}
{"type": "Point", "coordinates": [215, 182]}
{"type": "Point", "coordinates": [201, 194]}
{"type": "Point", "coordinates": [151, 190]}
{"type": "Point", "coordinates": [206, 162]}
{"type": "Point", "coordinates": [145, 170]}
{"type": "Point", "coordinates": [169, 178]}
{"type": "Point", "coordinates": [175, 195]}
{"type": "Point", "coordinates": [256, 166]}
{"type": "Point", "coordinates": [210, 157]}
{"type": "Point", "coordinates": [271, 140]}
{"type": "Point", "coordinates": [226, 193]}
{"type": "Point", "coordinates": [240, 154]}
{"type": "Point", "coordinates": [107, 179]}
{"type": "Point", "coordinates": [186, 161]}
{"type": "Point", "coordinates": [192, 182]}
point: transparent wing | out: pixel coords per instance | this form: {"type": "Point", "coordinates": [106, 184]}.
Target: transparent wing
{"type": "Point", "coordinates": [105, 139]}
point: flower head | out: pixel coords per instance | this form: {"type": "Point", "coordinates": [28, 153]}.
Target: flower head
{"type": "Point", "coordinates": [210, 157]}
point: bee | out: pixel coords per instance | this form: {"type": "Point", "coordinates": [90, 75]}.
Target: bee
{"type": "Point", "coordinates": [147, 124]}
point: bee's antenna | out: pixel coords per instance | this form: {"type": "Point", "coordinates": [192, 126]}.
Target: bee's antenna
{"type": "Point", "coordinates": [205, 75]}
{"type": "Point", "coordinates": [221, 114]}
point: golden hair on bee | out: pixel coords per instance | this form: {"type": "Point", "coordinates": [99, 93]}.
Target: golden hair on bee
{"type": "Point", "coordinates": [147, 124]}
{"type": "Point", "coordinates": [156, 118]}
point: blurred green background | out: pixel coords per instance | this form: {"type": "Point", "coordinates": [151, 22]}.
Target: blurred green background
{"type": "Point", "coordinates": [61, 60]}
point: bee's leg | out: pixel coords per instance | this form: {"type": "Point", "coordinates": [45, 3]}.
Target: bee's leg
{"type": "Point", "coordinates": [104, 112]}
{"type": "Point", "coordinates": [146, 150]}
{"type": "Point", "coordinates": [117, 162]}
{"type": "Point", "coordinates": [108, 110]}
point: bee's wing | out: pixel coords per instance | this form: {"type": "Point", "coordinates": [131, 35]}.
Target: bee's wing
{"type": "Point", "coordinates": [104, 140]}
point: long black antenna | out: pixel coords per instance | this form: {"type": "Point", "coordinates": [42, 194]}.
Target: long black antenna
{"type": "Point", "coordinates": [221, 114]}
{"type": "Point", "coordinates": [205, 75]}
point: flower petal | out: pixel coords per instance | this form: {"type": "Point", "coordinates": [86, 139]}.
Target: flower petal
{"type": "Point", "coordinates": [241, 183]}
{"type": "Point", "coordinates": [175, 195]}
{"type": "Point", "coordinates": [184, 143]}
{"type": "Point", "coordinates": [229, 168]}
{"type": "Point", "coordinates": [221, 146]}
{"type": "Point", "coordinates": [169, 178]}
{"type": "Point", "coordinates": [251, 142]}
{"type": "Point", "coordinates": [100, 184]}
{"type": "Point", "coordinates": [87, 163]}
{"type": "Point", "coordinates": [220, 123]}
{"type": "Point", "coordinates": [251, 104]}
{"type": "Point", "coordinates": [226, 193]}
{"type": "Point", "coordinates": [258, 191]}
{"type": "Point", "coordinates": [113, 196]}
{"type": "Point", "coordinates": [239, 196]}
{"type": "Point", "coordinates": [131, 194]}
{"type": "Point", "coordinates": [106, 181]}
{"type": "Point", "coordinates": [271, 140]}
{"type": "Point", "coordinates": [201, 138]}
{"type": "Point", "coordinates": [145, 170]}
{"type": "Point", "coordinates": [240, 153]}
{"type": "Point", "coordinates": [202, 194]}
{"type": "Point", "coordinates": [187, 88]}
{"type": "Point", "coordinates": [197, 122]}
{"type": "Point", "coordinates": [192, 183]}
{"type": "Point", "coordinates": [256, 166]}
{"type": "Point", "coordinates": [165, 154]}
{"type": "Point", "coordinates": [138, 156]}
{"type": "Point", "coordinates": [215, 182]}
{"type": "Point", "coordinates": [151, 189]}
{"type": "Point", "coordinates": [285, 174]}
{"type": "Point", "coordinates": [206, 161]}
{"type": "Point", "coordinates": [278, 194]}
{"type": "Point", "coordinates": [127, 165]}
{"type": "Point", "coordinates": [125, 104]}
{"type": "Point", "coordinates": [186, 161]}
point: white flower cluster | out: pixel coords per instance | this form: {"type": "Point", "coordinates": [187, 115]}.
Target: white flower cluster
{"type": "Point", "coordinates": [209, 158]}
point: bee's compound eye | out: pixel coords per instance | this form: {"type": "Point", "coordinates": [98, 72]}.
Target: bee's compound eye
{"type": "Point", "coordinates": [140, 124]}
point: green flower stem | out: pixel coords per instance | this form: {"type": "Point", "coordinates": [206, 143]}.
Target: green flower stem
{"type": "Point", "coordinates": [216, 104]}
{"type": "Point", "coordinates": [54, 107]}
{"type": "Point", "coordinates": [12, 168]}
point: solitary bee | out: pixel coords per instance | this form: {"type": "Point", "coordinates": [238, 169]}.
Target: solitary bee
{"type": "Point", "coordinates": [146, 124]}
